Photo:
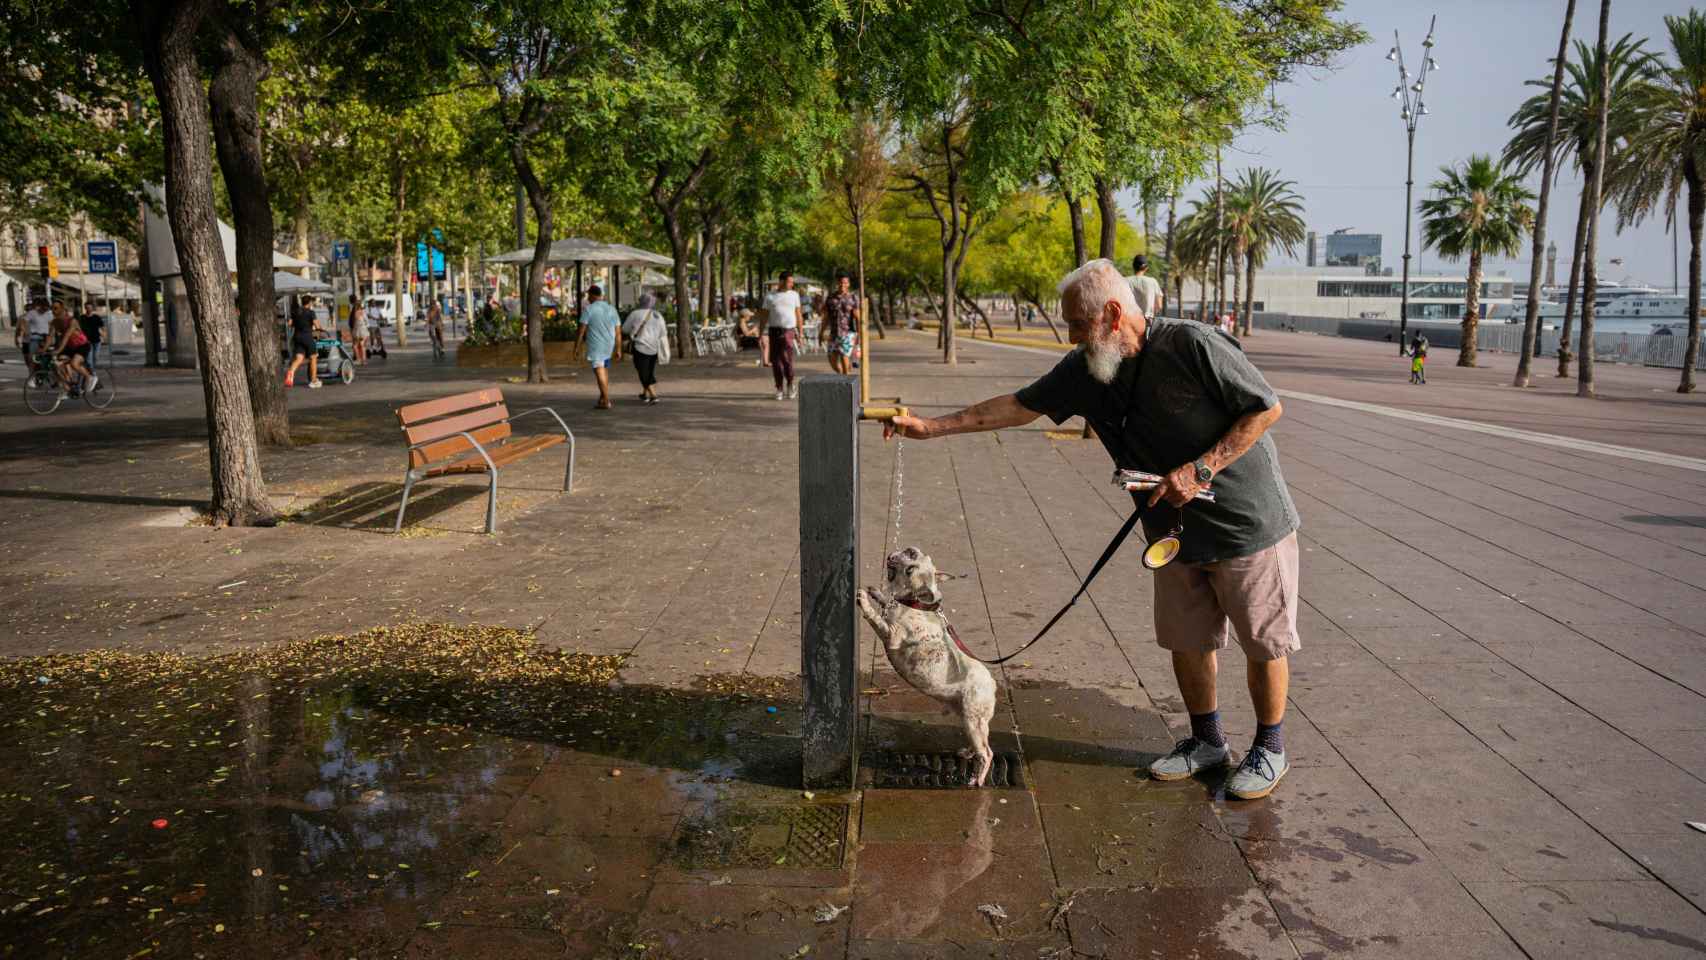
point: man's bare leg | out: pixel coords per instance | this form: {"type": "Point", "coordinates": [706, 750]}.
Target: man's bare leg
{"type": "Point", "coordinates": [1195, 673]}
{"type": "Point", "coordinates": [1270, 681]}
{"type": "Point", "coordinates": [603, 377]}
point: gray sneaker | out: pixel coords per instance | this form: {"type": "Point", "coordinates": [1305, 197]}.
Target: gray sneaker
{"type": "Point", "coordinates": [1189, 756]}
{"type": "Point", "coordinates": [1257, 775]}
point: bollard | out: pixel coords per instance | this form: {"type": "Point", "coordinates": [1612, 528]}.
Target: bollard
{"type": "Point", "coordinates": [829, 558]}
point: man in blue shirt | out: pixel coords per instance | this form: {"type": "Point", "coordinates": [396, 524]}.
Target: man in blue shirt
{"type": "Point", "coordinates": [601, 337]}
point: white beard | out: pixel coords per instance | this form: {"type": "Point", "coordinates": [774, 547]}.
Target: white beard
{"type": "Point", "coordinates": [1103, 358]}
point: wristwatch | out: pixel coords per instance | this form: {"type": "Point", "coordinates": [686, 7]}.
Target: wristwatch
{"type": "Point", "coordinates": [1204, 474]}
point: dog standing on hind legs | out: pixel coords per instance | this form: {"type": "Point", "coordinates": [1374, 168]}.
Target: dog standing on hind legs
{"type": "Point", "coordinates": [923, 649]}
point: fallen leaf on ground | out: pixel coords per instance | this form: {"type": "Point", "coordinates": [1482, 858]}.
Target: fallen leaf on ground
{"type": "Point", "coordinates": [828, 912]}
{"type": "Point", "coordinates": [993, 911]}
{"type": "Point", "coordinates": [1697, 825]}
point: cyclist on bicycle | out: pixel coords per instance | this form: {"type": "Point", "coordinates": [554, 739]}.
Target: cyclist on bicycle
{"type": "Point", "coordinates": [435, 326]}
{"type": "Point", "coordinates": [71, 350]}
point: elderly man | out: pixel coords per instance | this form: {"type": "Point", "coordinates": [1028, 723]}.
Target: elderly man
{"type": "Point", "coordinates": [1181, 400]}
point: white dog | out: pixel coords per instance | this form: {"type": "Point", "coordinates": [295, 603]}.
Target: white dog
{"type": "Point", "coordinates": [925, 652]}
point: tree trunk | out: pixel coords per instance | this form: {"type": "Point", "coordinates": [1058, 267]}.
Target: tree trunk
{"type": "Point", "coordinates": [1691, 173]}
{"type": "Point", "coordinates": [723, 275]}
{"type": "Point", "coordinates": [1110, 211]}
{"type": "Point", "coordinates": [1238, 251]}
{"type": "Point", "coordinates": [400, 322]}
{"type": "Point", "coordinates": [669, 207]}
{"type": "Point", "coordinates": [1531, 318]}
{"type": "Point", "coordinates": [299, 229]}
{"type": "Point", "coordinates": [1167, 252]}
{"type": "Point", "coordinates": [1249, 290]}
{"type": "Point", "coordinates": [707, 237]}
{"type": "Point", "coordinates": [678, 250]}
{"type": "Point", "coordinates": [1075, 210]}
{"type": "Point", "coordinates": [1219, 238]}
{"type": "Point", "coordinates": [237, 140]}
{"type": "Point", "coordinates": [1570, 296]}
{"type": "Point", "coordinates": [168, 32]}
{"type": "Point", "coordinates": [1471, 312]}
{"type": "Point", "coordinates": [1033, 301]}
{"type": "Point", "coordinates": [539, 199]}
{"type": "Point", "coordinates": [1584, 362]}
{"type": "Point", "coordinates": [978, 309]}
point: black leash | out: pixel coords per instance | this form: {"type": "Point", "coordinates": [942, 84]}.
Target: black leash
{"type": "Point", "coordinates": [1102, 561]}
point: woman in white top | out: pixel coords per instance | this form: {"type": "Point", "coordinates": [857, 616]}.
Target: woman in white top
{"type": "Point", "coordinates": [648, 338]}
{"type": "Point", "coordinates": [358, 328]}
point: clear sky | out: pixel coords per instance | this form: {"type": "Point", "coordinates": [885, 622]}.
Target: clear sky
{"type": "Point", "coordinates": [1343, 142]}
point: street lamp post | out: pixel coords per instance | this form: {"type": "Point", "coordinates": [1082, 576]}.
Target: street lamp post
{"type": "Point", "coordinates": [1408, 93]}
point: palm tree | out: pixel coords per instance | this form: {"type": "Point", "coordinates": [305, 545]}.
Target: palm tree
{"type": "Point", "coordinates": [1578, 137]}
{"type": "Point", "coordinates": [1267, 214]}
{"type": "Point", "coordinates": [1667, 151]}
{"type": "Point", "coordinates": [1531, 315]}
{"type": "Point", "coordinates": [1194, 250]}
{"type": "Point", "coordinates": [1477, 209]}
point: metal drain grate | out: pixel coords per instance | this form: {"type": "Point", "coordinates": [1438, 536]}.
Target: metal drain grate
{"type": "Point", "coordinates": [767, 836]}
{"type": "Point", "coordinates": [939, 771]}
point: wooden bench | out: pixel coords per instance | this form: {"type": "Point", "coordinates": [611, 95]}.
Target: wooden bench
{"type": "Point", "coordinates": [470, 433]}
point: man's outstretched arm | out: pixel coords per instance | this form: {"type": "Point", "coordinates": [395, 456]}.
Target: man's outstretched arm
{"type": "Point", "coordinates": [992, 414]}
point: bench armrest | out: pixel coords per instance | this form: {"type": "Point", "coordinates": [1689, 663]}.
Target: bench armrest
{"type": "Point", "coordinates": [482, 450]}
{"type": "Point", "coordinates": [569, 476]}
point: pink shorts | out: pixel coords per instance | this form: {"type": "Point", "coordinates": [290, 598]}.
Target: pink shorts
{"type": "Point", "coordinates": [1198, 606]}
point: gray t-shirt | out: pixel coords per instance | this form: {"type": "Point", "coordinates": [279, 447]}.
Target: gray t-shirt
{"type": "Point", "coordinates": [1168, 406]}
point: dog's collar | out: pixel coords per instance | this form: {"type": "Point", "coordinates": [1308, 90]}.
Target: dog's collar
{"type": "Point", "coordinates": [917, 604]}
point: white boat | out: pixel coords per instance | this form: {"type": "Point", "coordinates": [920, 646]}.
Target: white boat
{"type": "Point", "coordinates": [1647, 307]}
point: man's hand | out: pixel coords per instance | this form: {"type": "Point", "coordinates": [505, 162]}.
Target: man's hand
{"type": "Point", "coordinates": [907, 426]}
{"type": "Point", "coordinates": [1178, 487]}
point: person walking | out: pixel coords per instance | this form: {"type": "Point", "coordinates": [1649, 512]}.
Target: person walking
{"type": "Point", "coordinates": [358, 328]}
{"type": "Point", "coordinates": [601, 338]}
{"type": "Point", "coordinates": [1181, 399]}
{"type": "Point", "coordinates": [1151, 299]}
{"type": "Point", "coordinates": [33, 331]}
{"type": "Point", "coordinates": [840, 321]}
{"type": "Point", "coordinates": [648, 338]}
{"type": "Point", "coordinates": [303, 326]}
{"type": "Point", "coordinates": [783, 319]}
{"type": "Point", "coordinates": [1419, 359]}
{"type": "Point", "coordinates": [435, 328]}
{"type": "Point", "coordinates": [94, 327]}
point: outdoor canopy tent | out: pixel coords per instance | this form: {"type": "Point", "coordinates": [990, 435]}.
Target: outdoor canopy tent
{"type": "Point", "coordinates": [574, 251]}
{"type": "Point", "coordinates": [163, 253]}
{"type": "Point", "coordinates": [97, 285]}
{"type": "Point", "coordinates": [284, 284]}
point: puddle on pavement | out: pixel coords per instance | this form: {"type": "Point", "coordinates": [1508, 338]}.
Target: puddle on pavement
{"type": "Point", "coordinates": [175, 804]}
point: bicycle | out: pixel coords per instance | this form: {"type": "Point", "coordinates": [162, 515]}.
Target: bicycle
{"type": "Point", "coordinates": [437, 338]}
{"type": "Point", "coordinates": [43, 392]}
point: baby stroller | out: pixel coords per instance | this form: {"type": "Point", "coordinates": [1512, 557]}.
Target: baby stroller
{"type": "Point", "coordinates": [334, 358]}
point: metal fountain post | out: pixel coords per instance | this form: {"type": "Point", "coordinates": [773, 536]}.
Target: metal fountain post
{"type": "Point", "coordinates": [830, 412]}
{"type": "Point", "coordinates": [1409, 95]}
{"type": "Point", "coordinates": [829, 561]}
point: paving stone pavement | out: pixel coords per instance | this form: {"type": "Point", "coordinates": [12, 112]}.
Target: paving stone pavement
{"type": "Point", "coordinates": [1497, 718]}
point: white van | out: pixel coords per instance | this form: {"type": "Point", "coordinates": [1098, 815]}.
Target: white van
{"type": "Point", "coordinates": [381, 308]}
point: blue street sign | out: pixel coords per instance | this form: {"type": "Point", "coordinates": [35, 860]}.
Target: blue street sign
{"type": "Point", "coordinates": [340, 251]}
{"type": "Point", "coordinates": [103, 256]}
{"type": "Point", "coordinates": [422, 268]}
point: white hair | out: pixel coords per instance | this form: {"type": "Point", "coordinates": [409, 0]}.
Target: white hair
{"type": "Point", "coordinates": [1091, 286]}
